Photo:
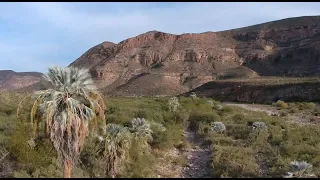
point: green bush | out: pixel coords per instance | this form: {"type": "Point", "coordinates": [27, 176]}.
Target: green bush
{"type": "Point", "coordinates": [316, 111]}
{"type": "Point", "coordinates": [234, 162]}
{"type": "Point", "coordinates": [283, 113]}
{"type": "Point", "coordinates": [111, 109]}
{"type": "Point", "coordinates": [238, 118]}
{"type": "Point", "coordinates": [238, 131]}
{"type": "Point", "coordinates": [281, 104]}
{"type": "Point", "coordinates": [39, 157]}
{"type": "Point", "coordinates": [225, 110]}
{"type": "Point", "coordinates": [293, 110]}
{"type": "Point", "coordinates": [140, 164]}
{"type": "Point", "coordinates": [306, 106]}
{"type": "Point", "coordinates": [206, 117]}
{"type": "Point", "coordinates": [183, 146]}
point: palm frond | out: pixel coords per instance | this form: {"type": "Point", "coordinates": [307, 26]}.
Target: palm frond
{"type": "Point", "coordinates": [116, 145]}
{"type": "Point", "coordinates": [141, 128]}
{"type": "Point", "coordinates": [64, 110]}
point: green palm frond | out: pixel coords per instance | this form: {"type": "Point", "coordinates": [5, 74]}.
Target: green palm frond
{"type": "Point", "coordinates": [141, 128]}
{"type": "Point", "coordinates": [115, 147]}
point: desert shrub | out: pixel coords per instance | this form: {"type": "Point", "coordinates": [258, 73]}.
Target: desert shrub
{"type": "Point", "coordinates": [141, 163]}
{"type": "Point", "coordinates": [232, 161]}
{"type": "Point", "coordinates": [175, 134]}
{"type": "Point", "coordinates": [238, 131]}
{"type": "Point", "coordinates": [316, 111]}
{"type": "Point", "coordinates": [181, 116]}
{"type": "Point", "coordinates": [181, 160]}
{"type": "Point", "coordinates": [221, 140]}
{"type": "Point", "coordinates": [259, 126]}
{"type": "Point", "coordinates": [53, 170]}
{"type": "Point", "coordinates": [141, 113]}
{"type": "Point", "coordinates": [203, 128]}
{"type": "Point", "coordinates": [225, 110]}
{"type": "Point", "coordinates": [300, 169]}
{"type": "Point", "coordinates": [218, 107]}
{"type": "Point", "coordinates": [111, 109]}
{"type": "Point", "coordinates": [293, 110]}
{"type": "Point", "coordinates": [218, 127]}
{"type": "Point", "coordinates": [193, 95]}
{"type": "Point", "coordinates": [211, 103]}
{"type": "Point", "coordinates": [259, 139]}
{"type": "Point", "coordinates": [183, 146]}
{"type": "Point", "coordinates": [306, 106]}
{"type": "Point", "coordinates": [238, 118]}
{"type": "Point", "coordinates": [215, 105]}
{"type": "Point", "coordinates": [196, 117]}
{"type": "Point", "coordinates": [160, 136]}
{"type": "Point", "coordinates": [174, 104]}
{"type": "Point", "coordinates": [281, 104]}
{"type": "Point", "coordinates": [40, 156]}
{"type": "Point", "coordinates": [283, 113]}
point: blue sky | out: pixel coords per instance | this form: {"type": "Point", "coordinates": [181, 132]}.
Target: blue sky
{"type": "Point", "coordinates": [36, 35]}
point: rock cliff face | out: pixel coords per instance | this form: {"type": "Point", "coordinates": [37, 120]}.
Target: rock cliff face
{"type": "Point", "coordinates": [250, 93]}
{"type": "Point", "coordinates": [157, 63]}
{"type": "Point", "coordinates": [184, 61]}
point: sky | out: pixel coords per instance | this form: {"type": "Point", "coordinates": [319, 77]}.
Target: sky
{"type": "Point", "coordinates": [36, 35]}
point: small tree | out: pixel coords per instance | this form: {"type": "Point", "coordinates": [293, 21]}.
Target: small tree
{"type": "Point", "coordinates": [67, 108]}
{"type": "Point", "coordinates": [142, 131]}
{"type": "Point", "coordinates": [115, 147]}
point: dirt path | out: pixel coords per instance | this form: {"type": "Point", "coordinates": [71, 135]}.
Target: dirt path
{"type": "Point", "coordinates": [199, 155]}
{"type": "Point", "coordinates": [255, 107]}
{"type": "Point", "coordinates": [302, 118]}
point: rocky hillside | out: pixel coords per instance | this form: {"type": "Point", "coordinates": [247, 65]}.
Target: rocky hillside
{"type": "Point", "coordinates": [10, 80]}
{"type": "Point", "coordinates": [261, 90]}
{"type": "Point", "coordinates": [158, 63]}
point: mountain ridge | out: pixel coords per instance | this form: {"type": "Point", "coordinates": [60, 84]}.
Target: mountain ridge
{"type": "Point", "coordinates": [171, 64]}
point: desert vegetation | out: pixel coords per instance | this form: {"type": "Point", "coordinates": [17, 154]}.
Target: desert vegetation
{"type": "Point", "coordinates": [96, 136]}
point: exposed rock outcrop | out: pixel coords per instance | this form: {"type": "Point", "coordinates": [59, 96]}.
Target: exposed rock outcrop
{"type": "Point", "coordinates": [287, 47]}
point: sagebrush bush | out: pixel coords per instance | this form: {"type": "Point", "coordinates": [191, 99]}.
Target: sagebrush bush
{"type": "Point", "coordinates": [300, 169]}
{"type": "Point", "coordinates": [259, 126]}
{"type": "Point", "coordinates": [218, 127]}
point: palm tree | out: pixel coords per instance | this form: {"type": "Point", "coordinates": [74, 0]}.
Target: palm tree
{"type": "Point", "coordinates": [142, 133]}
{"type": "Point", "coordinates": [67, 108]}
{"type": "Point", "coordinates": [115, 147]}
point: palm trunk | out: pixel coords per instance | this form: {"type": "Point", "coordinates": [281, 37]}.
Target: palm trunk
{"type": "Point", "coordinates": [67, 169]}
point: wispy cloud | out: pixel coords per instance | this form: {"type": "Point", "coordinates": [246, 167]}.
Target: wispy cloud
{"type": "Point", "coordinates": [36, 35]}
